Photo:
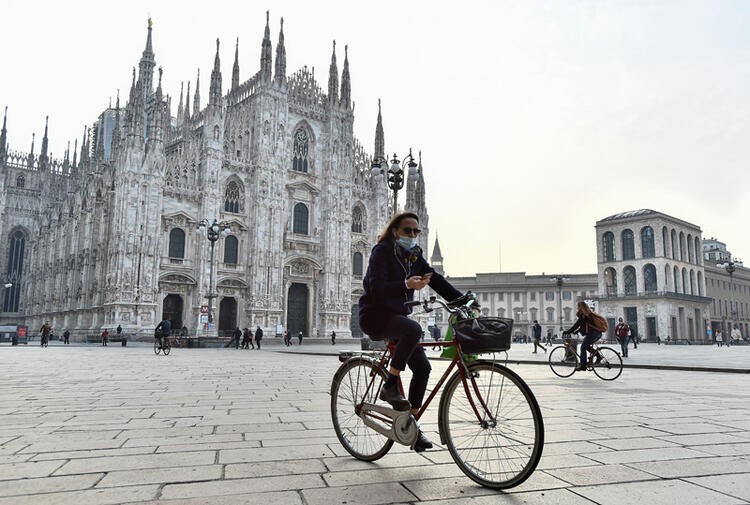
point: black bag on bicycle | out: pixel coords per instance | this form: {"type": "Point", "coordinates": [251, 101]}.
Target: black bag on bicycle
{"type": "Point", "coordinates": [484, 334]}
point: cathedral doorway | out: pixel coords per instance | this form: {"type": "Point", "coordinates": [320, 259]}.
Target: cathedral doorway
{"type": "Point", "coordinates": [227, 316]}
{"type": "Point", "coordinates": [354, 325]}
{"type": "Point", "coordinates": [296, 309]}
{"type": "Point", "coordinates": [172, 309]}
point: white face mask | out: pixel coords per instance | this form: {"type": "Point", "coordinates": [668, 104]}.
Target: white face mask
{"type": "Point", "coordinates": [407, 242]}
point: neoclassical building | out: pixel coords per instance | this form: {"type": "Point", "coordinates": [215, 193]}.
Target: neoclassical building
{"type": "Point", "coordinates": [109, 236]}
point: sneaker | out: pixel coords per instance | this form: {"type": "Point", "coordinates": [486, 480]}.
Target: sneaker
{"type": "Point", "coordinates": [393, 396]}
{"type": "Point", "coordinates": [581, 369]}
{"type": "Point", "coordinates": [422, 443]}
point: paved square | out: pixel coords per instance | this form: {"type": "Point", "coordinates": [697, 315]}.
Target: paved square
{"type": "Point", "coordinates": [92, 425]}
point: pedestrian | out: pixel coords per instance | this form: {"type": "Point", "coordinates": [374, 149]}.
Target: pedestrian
{"type": "Point", "coordinates": [333, 338]}
{"type": "Point", "coordinates": [622, 330]}
{"type": "Point", "coordinates": [237, 333]}
{"type": "Point", "coordinates": [719, 339]}
{"type": "Point", "coordinates": [105, 337]}
{"type": "Point", "coordinates": [549, 337]}
{"type": "Point", "coordinates": [537, 331]}
{"type": "Point", "coordinates": [736, 335]}
{"type": "Point", "coordinates": [258, 336]}
{"type": "Point", "coordinates": [119, 331]}
{"type": "Point", "coordinates": [247, 339]}
{"type": "Point", "coordinates": [396, 270]}
{"type": "Point", "coordinates": [66, 337]}
{"type": "Point", "coordinates": [287, 338]}
{"type": "Point", "coordinates": [632, 337]}
{"type": "Point", "coordinates": [45, 331]}
{"type": "Point", "coordinates": [299, 336]}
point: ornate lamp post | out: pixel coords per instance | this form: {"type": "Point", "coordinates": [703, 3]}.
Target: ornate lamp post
{"type": "Point", "coordinates": [559, 280]}
{"type": "Point", "coordinates": [213, 232]}
{"type": "Point", "coordinates": [395, 173]}
{"type": "Point", "coordinates": [730, 267]}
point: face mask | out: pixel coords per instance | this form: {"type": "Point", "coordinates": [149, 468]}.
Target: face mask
{"type": "Point", "coordinates": [407, 242]}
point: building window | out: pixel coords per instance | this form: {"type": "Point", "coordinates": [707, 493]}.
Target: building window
{"type": "Point", "coordinates": [648, 249]}
{"type": "Point", "coordinates": [300, 219]}
{"type": "Point", "coordinates": [697, 251]}
{"type": "Point", "coordinates": [485, 297]}
{"type": "Point", "coordinates": [608, 246]}
{"type": "Point", "coordinates": [516, 296]}
{"type": "Point", "coordinates": [532, 296]}
{"type": "Point", "coordinates": [15, 269]}
{"type": "Point", "coordinates": [568, 312]}
{"type": "Point", "coordinates": [629, 280]}
{"type": "Point", "coordinates": [567, 295]}
{"type": "Point", "coordinates": [628, 245]}
{"type": "Point", "coordinates": [549, 295]}
{"type": "Point", "coordinates": [700, 284]}
{"type": "Point", "coordinates": [676, 278]}
{"type": "Point", "coordinates": [665, 241]}
{"type": "Point", "coordinates": [20, 181]}
{"type": "Point", "coordinates": [682, 246]}
{"type": "Point", "coordinates": [501, 296]}
{"type": "Point", "coordinates": [232, 197]}
{"type": "Point", "coordinates": [357, 265]}
{"type": "Point", "coordinates": [299, 151]}
{"type": "Point", "coordinates": [610, 281]}
{"type": "Point", "coordinates": [501, 312]}
{"type": "Point", "coordinates": [550, 315]}
{"type": "Point", "coordinates": [532, 314]}
{"type": "Point", "coordinates": [177, 243]}
{"type": "Point", "coordinates": [357, 220]}
{"type": "Point", "coordinates": [230, 250]}
{"type": "Point", "coordinates": [673, 240]}
{"type": "Point", "coordinates": [685, 285]}
{"type": "Point", "coordinates": [649, 278]}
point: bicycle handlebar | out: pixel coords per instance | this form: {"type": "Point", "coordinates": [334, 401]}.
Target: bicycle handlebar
{"type": "Point", "coordinates": [461, 305]}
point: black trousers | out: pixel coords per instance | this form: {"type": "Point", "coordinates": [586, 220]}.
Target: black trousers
{"type": "Point", "coordinates": [406, 333]}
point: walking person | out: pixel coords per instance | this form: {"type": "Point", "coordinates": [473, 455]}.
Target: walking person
{"type": "Point", "coordinates": [247, 339]}
{"type": "Point", "coordinates": [299, 336]}
{"type": "Point", "coordinates": [66, 337]}
{"type": "Point", "coordinates": [622, 330]}
{"type": "Point", "coordinates": [549, 337]}
{"type": "Point", "coordinates": [105, 337]}
{"type": "Point", "coordinates": [333, 338]}
{"type": "Point", "coordinates": [236, 334]}
{"type": "Point", "coordinates": [719, 339]}
{"type": "Point", "coordinates": [396, 269]}
{"type": "Point", "coordinates": [45, 331]}
{"type": "Point", "coordinates": [287, 338]}
{"type": "Point", "coordinates": [537, 332]}
{"type": "Point", "coordinates": [258, 336]}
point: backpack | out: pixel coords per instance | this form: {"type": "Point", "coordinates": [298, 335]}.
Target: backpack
{"type": "Point", "coordinates": [598, 322]}
{"type": "Point", "coordinates": [622, 330]}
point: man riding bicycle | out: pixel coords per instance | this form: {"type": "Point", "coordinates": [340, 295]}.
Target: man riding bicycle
{"type": "Point", "coordinates": [163, 330]}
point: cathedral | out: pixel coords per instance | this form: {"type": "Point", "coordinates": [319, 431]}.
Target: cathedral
{"type": "Point", "coordinates": [289, 203]}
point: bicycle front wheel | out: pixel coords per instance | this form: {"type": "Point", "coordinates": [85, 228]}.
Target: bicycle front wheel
{"type": "Point", "coordinates": [157, 349]}
{"type": "Point", "coordinates": [502, 449]}
{"type": "Point", "coordinates": [607, 364]}
{"type": "Point", "coordinates": [167, 347]}
{"type": "Point", "coordinates": [348, 391]}
{"type": "Point", "coordinates": [563, 361]}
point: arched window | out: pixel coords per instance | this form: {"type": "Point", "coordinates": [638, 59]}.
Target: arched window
{"type": "Point", "coordinates": [628, 245]}
{"type": "Point", "coordinates": [177, 243]}
{"type": "Point", "coordinates": [682, 246]}
{"type": "Point", "coordinates": [357, 265]}
{"type": "Point", "coordinates": [648, 250]}
{"type": "Point", "coordinates": [674, 244]}
{"type": "Point", "coordinates": [610, 281]}
{"type": "Point", "coordinates": [299, 151]}
{"type": "Point", "coordinates": [700, 284]}
{"type": "Point", "coordinates": [685, 285]}
{"type": "Point", "coordinates": [692, 281]}
{"type": "Point", "coordinates": [649, 278]}
{"type": "Point", "coordinates": [608, 246]}
{"type": "Point", "coordinates": [357, 218]}
{"type": "Point", "coordinates": [300, 219]}
{"type": "Point", "coordinates": [14, 272]}
{"type": "Point", "coordinates": [230, 249]}
{"type": "Point", "coordinates": [676, 278]}
{"type": "Point", "coordinates": [690, 248]}
{"type": "Point", "coordinates": [666, 278]}
{"type": "Point", "coordinates": [21, 181]}
{"type": "Point", "coordinates": [629, 280]}
{"type": "Point", "coordinates": [698, 251]}
{"type": "Point", "coordinates": [665, 241]}
{"type": "Point", "coordinates": [232, 197]}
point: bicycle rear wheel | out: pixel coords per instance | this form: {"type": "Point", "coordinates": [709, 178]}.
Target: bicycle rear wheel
{"type": "Point", "coordinates": [607, 364]}
{"type": "Point", "coordinates": [563, 361]}
{"type": "Point", "coordinates": [503, 448]}
{"type": "Point", "coordinates": [157, 349]}
{"type": "Point", "coordinates": [167, 347]}
{"type": "Point", "coordinates": [348, 391]}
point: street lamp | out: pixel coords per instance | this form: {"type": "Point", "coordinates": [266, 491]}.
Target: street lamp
{"type": "Point", "coordinates": [395, 173]}
{"type": "Point", "coordinates": [559, 280]}
{"type": "Point", "coordinates": [213, 231]}
{"type": "Point", "coordinates": [730, 267]}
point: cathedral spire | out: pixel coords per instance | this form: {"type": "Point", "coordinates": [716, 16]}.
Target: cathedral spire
{"type": "Point", "coordinates": [187, 104]}
{"type": "Point", "coordinates": [236, 66]}
{"type": "Point", "coordinates": [379, 136]}
{"type": "Point", "coordinates": [197, 95]}
{"type": "Point", "coordinates": [280, 75]}
{"type": "Point", "coordinates": [333, 79]}
{"type": "Point", "coordinates": [75, 155]}
{"type": "Point", "coordinates": [116, 130]}
{"type": "Point", "coordinates": [85, 149]}
{"type": "Point", "coordinates": [436, 259]}
{"type": "Point", "coordinates": [346, 85]}
{"type": "Point", "coordinates": [4, 136]}
{"type": "Point", "coordinates": [43, 159]}
{"type": "Point", "coordinates": [30, 160]}
{"type": "Point", "coordinates": [146, 66]}
{"type": "Point", "coordinates": [180, 111]}
{"type": "Point", "coordinates": [214, 96]}
{"type": "Point", "coordinates": [265, 53]}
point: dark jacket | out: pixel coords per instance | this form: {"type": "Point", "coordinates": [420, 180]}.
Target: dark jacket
{"type": "Point", "coordinates": [385, 285]}
{"type": "Point", "coordinates": [537, 330]}
{"type": "Point", "coordinates": [258, 333]}
{"type": "Point", "coordinates": [165, 326]}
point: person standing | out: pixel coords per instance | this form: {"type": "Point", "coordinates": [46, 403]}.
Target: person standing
{"type": "Point", "coordinates": [247, 339]}
{"type": "Point", "coordinates": [45, 331]}
{"type": "Point", "coordinates": [736, 335]}
{"type": "Point", "coordinates": [622, 330]}
{"type": "Point", "coordinates": [333, 338]}
{"type": "Point", "coordinates": [299, 336]}
{"type": "Point", "coordinates": [105, 337]}
{"type": "Point", "coordinates": [719, 339]}
{"type": "Point", "coordinates": [258, 336]}
{"type": "Point", "coordinates": [537, 332]}
{"type": "Point", "coordinates": [236, 334]}
{"type": "Point", "coordinates": [287, 338]}
{"type": "Point", "coordinates": [66, 337]}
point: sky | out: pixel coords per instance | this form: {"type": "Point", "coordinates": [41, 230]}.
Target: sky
{"type": "Point", "coordinates": [534, 119]}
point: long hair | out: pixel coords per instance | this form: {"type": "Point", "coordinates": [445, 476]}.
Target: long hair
{"type": "Point", "coordinates": [394, 224]}
{"type": "Point", "coordinates": [583, 309]}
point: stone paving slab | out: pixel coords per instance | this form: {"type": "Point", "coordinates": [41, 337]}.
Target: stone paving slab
{"type": "Point", "coordinates": [186, 429]}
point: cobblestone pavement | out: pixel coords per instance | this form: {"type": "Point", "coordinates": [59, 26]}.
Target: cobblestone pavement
{"type": "Point", "coordinates": [92, 425]}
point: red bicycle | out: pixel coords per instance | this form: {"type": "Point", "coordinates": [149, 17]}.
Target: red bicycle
{"type": "Point", "coordinates": [488, 417]}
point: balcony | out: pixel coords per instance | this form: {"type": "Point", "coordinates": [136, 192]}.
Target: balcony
{"type": "Point", "coordinates": [654, 294]}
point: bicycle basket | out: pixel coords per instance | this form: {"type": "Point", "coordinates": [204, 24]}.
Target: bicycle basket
{"type": "Point", "coordinates": [484, 334]}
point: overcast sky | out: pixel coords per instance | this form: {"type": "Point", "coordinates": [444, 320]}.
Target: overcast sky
{"type": "Point", "coordinates": [535, 119]}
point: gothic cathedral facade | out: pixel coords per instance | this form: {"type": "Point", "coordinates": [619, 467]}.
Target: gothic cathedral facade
{"type": "Point", "coordinates": [111, 237]}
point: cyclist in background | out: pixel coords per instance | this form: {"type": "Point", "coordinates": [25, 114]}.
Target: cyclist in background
{"type": "Point", "coordinates": [585, 326]}
{"type": "Point", "coordinates": [162, 331]}
{"type": "Point", "coordinates": [396, 269]}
